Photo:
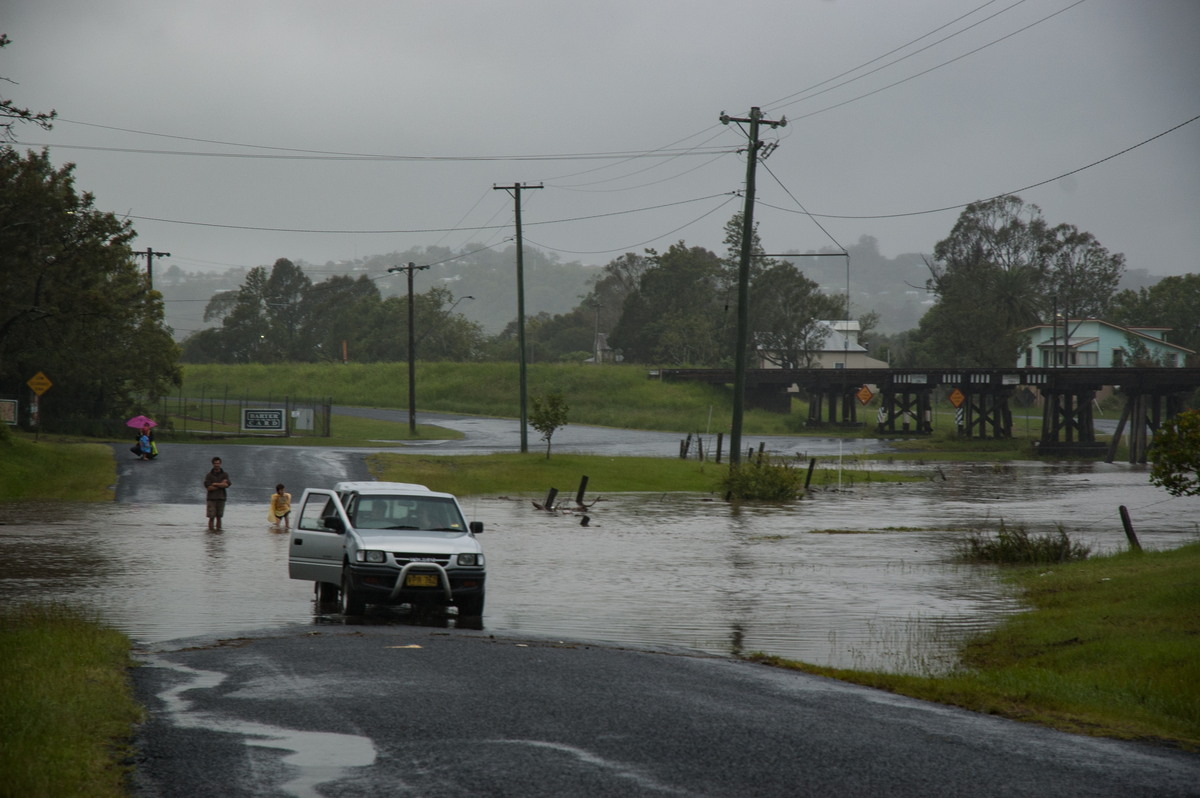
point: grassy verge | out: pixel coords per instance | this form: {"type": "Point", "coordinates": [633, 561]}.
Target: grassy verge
{"type": "Point", "coordinates": [474, 475]}
{"type": "Point", "coordinates": [66, 706]}
{"type": "Point", "coordinates": [55, 470]}
{"type": "Point", "coordinates": [1111, 648]}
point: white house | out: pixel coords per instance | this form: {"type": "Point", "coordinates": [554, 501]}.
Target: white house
{"type": "Point", "coordinates": [840, 350]}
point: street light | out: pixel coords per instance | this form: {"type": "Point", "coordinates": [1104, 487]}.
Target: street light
{"type": "Point", "coordinates": [596, 335]}
{"type": "Point", "coordinates": [448, 312]}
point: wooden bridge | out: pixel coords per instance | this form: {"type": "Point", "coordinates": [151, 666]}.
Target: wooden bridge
{"type": "Point", "coordinates": [981, 397]}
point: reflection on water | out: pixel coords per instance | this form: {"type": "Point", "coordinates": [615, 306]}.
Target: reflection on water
{"type": "Point", "coordinates": [863, 577]}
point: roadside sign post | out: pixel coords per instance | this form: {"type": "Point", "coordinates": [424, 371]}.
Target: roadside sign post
{"type": "Point", "coordinates": [39, 383]}
{"type": "Point", "coordinates": [957, 398]}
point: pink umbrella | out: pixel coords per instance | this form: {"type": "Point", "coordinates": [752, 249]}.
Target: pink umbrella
{"type": "Point", "coordinates": [137, 422]}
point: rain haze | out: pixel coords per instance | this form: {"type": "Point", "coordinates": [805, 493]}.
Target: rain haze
{"type": "Point", "coordinates": [236, 133]}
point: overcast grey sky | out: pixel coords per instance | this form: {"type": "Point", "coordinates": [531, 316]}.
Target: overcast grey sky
{"type": "Point", "coordinates": [461, 96]}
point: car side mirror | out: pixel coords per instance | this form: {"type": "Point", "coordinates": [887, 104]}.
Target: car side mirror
{"type": "Point", "coordinates": [334, 523]}
{"type": "Point", "coordinates": [476, 527]}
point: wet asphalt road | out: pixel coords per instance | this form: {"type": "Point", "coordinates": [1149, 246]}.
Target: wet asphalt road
{"type": "Point", "coordinates": [407, 710]}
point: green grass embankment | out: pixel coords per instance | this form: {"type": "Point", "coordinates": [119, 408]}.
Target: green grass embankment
{"type": "Point", "coordinates": [52, 470]}
{"type": "Point", "coordinates": [532, 473]}
{"type": "Point", "coordinates": [613, 396]}
{"type": "Point", "coordinates": [66, 707]}
{"type": "Point", "coordinates": [1111, 648]}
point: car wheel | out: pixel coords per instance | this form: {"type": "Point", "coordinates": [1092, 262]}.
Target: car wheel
{"type": "Point", "coordinates": [352, 602]}
{"type": "Point", "coordinates": [326, 593]}
{"type": "Point", "coordinates": [470, 606]}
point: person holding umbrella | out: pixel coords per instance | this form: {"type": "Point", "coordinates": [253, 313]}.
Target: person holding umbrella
{"type": "Point", "coordinates": [144, 447]}
{"type": "Point", "coordinates": [148, 434]}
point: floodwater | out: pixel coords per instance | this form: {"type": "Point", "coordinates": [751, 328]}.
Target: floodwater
{"type": "Point", "coordinates": [858, 577]}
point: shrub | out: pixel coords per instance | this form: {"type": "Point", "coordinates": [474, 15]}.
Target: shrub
{"type": "Point", "coordinates": [1016, 545]}
{"type": "Point", "coordinates": [762, 481]}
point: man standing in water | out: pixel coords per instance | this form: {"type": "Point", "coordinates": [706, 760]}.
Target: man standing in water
{"type": "Point", "coordinates": [215, 483]}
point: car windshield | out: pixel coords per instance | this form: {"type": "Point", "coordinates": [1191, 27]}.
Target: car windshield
{"type": "Point", "coordinates": [428, 513]}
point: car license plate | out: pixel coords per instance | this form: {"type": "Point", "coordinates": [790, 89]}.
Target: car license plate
{"type": "Point", "coordinates": [421, 580]}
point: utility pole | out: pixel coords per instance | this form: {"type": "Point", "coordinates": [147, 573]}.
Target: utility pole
{"type": "Point", "coordinates": [149, 254]}
{"type": "Point", "coordinates": [515, 191]}
{"type": "Point", "coordinates": [412, 348]}
{"type": "Point", "coordinates": [743, 315]}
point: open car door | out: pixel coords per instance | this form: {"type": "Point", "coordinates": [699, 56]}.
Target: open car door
{"type": "Point", "coordinates": [315, 549]}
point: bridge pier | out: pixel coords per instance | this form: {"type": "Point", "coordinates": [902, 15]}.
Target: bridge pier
{"type": "Point", "coordinates": [985, 412]}
{"type": "Point", "coordinates": [828, 401]}
{"type": "Point", "coordinates": [909, 405]}
{"type": "Point", "coordinates": [770, 397]}
{"type": "Point", "coordinates": [1144, 412]}
{"type": "Point", "coordinates": [1068, 423]}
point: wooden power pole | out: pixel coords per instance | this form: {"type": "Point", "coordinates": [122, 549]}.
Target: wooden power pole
{"type": "Point", "coordinates": [743, 307]}
{"type": "Point", "coordinates": [515, 191]}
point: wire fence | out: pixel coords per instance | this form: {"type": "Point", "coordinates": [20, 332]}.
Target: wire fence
{"type": "Point", "coordinates": [244, 416]}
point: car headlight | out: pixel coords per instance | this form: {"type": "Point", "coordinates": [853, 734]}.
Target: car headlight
{"type": "Point", "coordinates": [371, 555]}
{"type": "Point", "coordinates": [470, 559]}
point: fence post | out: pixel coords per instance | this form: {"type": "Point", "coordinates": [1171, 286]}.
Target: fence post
{"type": "Point", "coordinates": [1129, 533]}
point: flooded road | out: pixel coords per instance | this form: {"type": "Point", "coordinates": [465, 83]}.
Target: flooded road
{"type": "Point", "coordinates": [862, 577]}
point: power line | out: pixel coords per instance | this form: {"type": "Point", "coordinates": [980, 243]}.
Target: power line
{"type": "Point", "coordinates": [576, 156]}
{"type": "Point", "coordinates": [629, 247]}
{"type": "Point", "coordinates": [994, 196]}
{"type": "Point", "coordinates": [412, 231]}
{"type": "Point", "coordinates": [924, 72]}
{"type": "Point", "coordinates": [894, 51]}
{"type": "Point", "coordinates": [802, 208]}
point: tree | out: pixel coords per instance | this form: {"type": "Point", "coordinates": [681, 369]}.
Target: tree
{"type": "Point", "coordinates": [1001, 269]}
{"type": "Point", "coordinates": [442, 334]}
{"type": "Point", "coordinates": [336, 314]}
{"type": "Point", "coordinates": [1172, 302]}
{"type": "Point", "coordinates": [281, 316]}
{"type": "Point", "coordinates": [605, 301]}
{"type": "Point", "coordinates": [73, 301]}
{"type": "Point", "coordinates": [675, 315]}
{"type": "Point", "coordinates": [1175, 453]}
{"type": "Point", "coordinates": [12, 114]}
{"type": "Point", "coordinates": [790, 307]}
{"type": "Point", "coordinates": [547, 414]}
{"type": "Point", "coordinates": [1083, 275]}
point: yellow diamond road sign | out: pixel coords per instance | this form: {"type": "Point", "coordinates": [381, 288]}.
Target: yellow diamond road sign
{"type": "Point", "coordinates": [957, 397]}
{"type": "Point", "coordinates": [864, 394]}
{"type": "Point", "coordinates": [40, 383]}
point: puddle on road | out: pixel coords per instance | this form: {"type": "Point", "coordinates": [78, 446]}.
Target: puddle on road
{"type": "Point", "coordinates": [315, 757]}
{"type": "Point", "coordinates": [651, 569]}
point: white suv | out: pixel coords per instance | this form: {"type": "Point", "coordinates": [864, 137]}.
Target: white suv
{"type": "Point", "coordinates": [387, 543]}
